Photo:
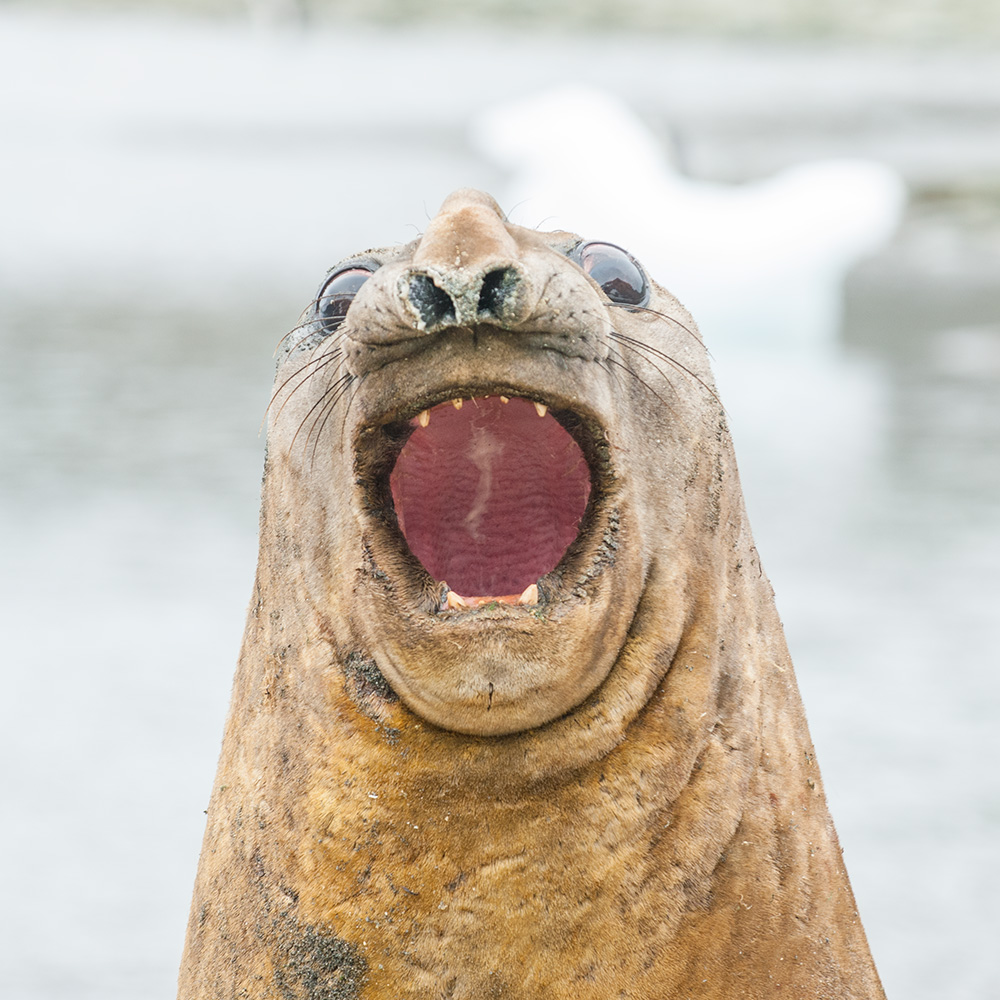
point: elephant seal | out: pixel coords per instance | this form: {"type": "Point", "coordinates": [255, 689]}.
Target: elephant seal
{"type": "Point", "coordinates": [514, 715]}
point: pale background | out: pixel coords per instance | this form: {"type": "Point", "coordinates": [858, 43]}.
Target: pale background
{"type": "Point", "coordinates": [174, 181]}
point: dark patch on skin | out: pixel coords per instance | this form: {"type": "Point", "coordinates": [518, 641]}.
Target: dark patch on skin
{"type": "Point", "coordinates": [391, 734]}
{"type": "Point", "coordinates": [367, 686]}
{"type": "Point", "coordinates": [603, 558]}
{"type": "Point", "coordinates": [371, 568]}
{"type": "Point", "coordinates": [310, 961]}
{"type": "Point", "coordinates": [275, 686]}
{"type": "Point", "coordinates": [714, 505]}
{"type": "Point", "coordinates": [609, 543]}
{"type": "Point", "coordinates": [497, 986]}
{"type": "Point", "coordinates": [397, 889]}
{"type": "Point", "coordinates": [317, 965]}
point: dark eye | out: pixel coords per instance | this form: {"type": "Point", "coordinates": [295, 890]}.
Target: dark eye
{"type": "Point", "coordinates": [338, 293]}
{"type": "Point", "coordinates": [616, 271]}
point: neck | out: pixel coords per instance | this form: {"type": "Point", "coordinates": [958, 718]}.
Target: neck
{"type": "Point", "coordinates": [653, 820]}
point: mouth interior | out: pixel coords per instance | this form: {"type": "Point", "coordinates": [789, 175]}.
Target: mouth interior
{"type": "Point", "coordinates": [489, 496]}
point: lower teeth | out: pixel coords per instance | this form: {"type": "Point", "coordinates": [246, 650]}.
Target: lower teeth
{"type": "Point", "coordinates": [455, 602]}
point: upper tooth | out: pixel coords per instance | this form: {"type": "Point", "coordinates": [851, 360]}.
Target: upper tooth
{"type": "Point", "coordinates": [505, 399]}
{"type": "Point", "coordinates": [541, 408]}
{"type": "Point", "coordinates": [454, 600]}
{"type": "Point", "coordinates": [457, 403]}
{"type": "Point", "coordinates": [424, 418]}
{"type": "Point", "coordinates": [530, 595]}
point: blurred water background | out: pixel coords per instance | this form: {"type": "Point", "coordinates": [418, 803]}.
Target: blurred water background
{"type": "Point", "coordinates": [175, 180]}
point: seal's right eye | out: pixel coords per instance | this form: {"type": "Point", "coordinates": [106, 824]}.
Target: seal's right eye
{"type": "Point", "coordinates": [338, 293]}
{"type": "Point", "coordinates": [616, 271]}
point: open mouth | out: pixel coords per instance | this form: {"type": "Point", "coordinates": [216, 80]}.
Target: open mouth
{"type": "Point", "coordinates": [489, 493]}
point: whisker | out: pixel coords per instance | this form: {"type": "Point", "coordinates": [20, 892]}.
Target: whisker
{"type": "Point", "coordinates": [355, 386]}
{"type": "Point", "coordinates": [331, 325]}
{"type": "Point", "coordinates": [638, 378]}
{"type": "Point", "coordinates": [670, 319]}
{"type": "Point", "coordinates": [333, 387]}
{"type": "Point", "coordinates": [662, 373]}
{"type": "Point", "coordinates": [320, 363]}
{"type": "Point", "coordinates": [647, 349]}
{"type": "Point", "coordinates": [325, 413]}
{"type": "Point", "coordinates": [327, 400]}
{"type": "Point", "coordinates": [652, 364]}
{"type": "Point", "coordinates": [513, 209]}
{"type": "Point", "coordinates": [611, 365]}
{"type": "Point", "coordinates": [300, 323]}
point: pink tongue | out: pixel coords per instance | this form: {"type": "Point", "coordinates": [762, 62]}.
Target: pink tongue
{"type": "Point", "coordinates": [489, 497]}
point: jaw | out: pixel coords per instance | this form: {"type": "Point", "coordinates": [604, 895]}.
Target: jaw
{"type": "Point", "coordinates": [497, 579]}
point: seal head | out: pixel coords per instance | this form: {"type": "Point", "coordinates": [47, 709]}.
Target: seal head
{"type": "Point", "coordinates": [484, 447]}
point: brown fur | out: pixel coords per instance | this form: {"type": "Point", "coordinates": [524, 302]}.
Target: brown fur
{"type": "Point", "coordinates": [611, 795]}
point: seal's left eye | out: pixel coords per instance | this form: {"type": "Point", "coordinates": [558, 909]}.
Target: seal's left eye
{"type": "Point", "coordinates": [338, 293]}
{"type": "Point", "coordinates": [616, 271]}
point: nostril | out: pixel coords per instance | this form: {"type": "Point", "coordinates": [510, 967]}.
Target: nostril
{"type": "Point", "coordinates": [498, 287]}
{"type": "Point", "coordinates": [433, 305]}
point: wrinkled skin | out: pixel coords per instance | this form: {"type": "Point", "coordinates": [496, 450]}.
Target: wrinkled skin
{"type": "Point", "coordinates": [608, 793]}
